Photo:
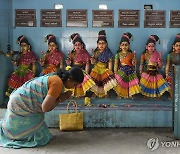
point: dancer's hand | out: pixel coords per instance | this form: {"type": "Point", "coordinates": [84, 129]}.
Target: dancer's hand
{"type": "Point", "coordinates": [160, 63]}
{"type": "Point", "coordinates": [68, 62]}
{"type": "Point", "coordinates": [93, 60]}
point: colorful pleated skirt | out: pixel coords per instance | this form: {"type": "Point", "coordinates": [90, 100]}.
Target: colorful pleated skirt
{"type": "Point", "coordinates": [19, 77]}
{"type": "Point", "coordinates": [153, 84]}
{"type": "Point", "coordinates": [104, 79]}
{"type": "Point", "coordinates": [128, 82]}
{"type": "Point", "coordinates": [81, 89]}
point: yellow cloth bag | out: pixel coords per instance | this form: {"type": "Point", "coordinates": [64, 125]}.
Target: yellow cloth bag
{"type": "Point", "coordinates": [71, 121]}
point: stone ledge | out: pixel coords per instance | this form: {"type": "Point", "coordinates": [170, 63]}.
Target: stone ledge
{"type": "Point", "coordinates": [118, 113]}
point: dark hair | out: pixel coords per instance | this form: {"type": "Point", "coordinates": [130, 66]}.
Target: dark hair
{"type": "Point", "coordinates": [153, 39]}
{"type": "Point", "coordinates": [177, 39]}
{"type": "Point", "coordinates": [75, 37]}
{"type": "Point", "coordinates": [126, 37]}
{"type": "Point", "coordinates": [51, 38]}
{"type": "Point", "coordinates": [75, 73]}
{"type": "Point", "coordinates": [102, 36]}
{"type": "Point", "coordinates": [22, 39]}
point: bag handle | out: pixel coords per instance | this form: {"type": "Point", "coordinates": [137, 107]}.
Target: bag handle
{"type": "Point", "coordinates": [71, 102]}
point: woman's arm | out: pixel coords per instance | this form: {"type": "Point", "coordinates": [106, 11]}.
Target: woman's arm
{"type": "Point", "coordinates": [51, 102]}
{"type": "Point", "coordinates": [54, 94]}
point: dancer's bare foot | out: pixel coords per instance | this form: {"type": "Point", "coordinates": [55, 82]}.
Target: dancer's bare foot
{"type": "Point", "coordinates": [93, 95]}
{"type": "Point", "coordinates": [118, 97]}
{"type": "Point", "coordinates": [106, 96]}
